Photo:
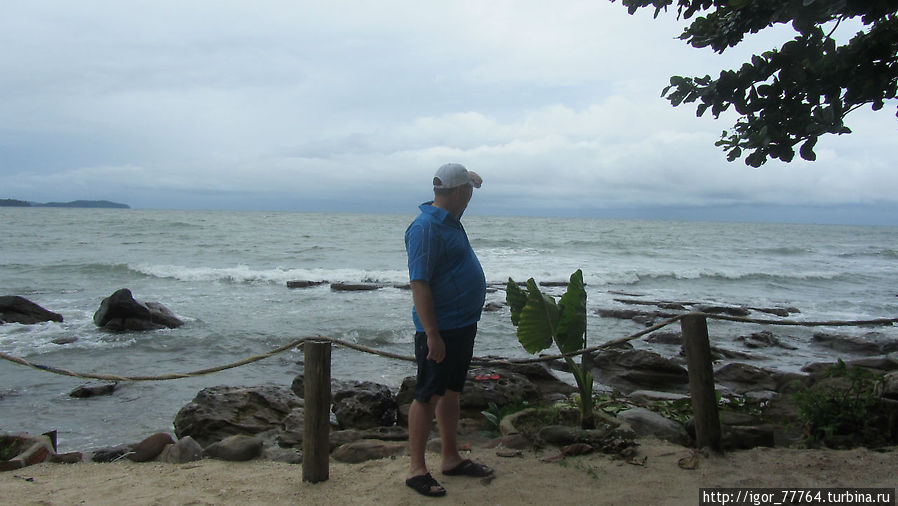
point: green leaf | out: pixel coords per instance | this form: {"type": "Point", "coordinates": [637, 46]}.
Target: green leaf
{"type": "Point", "coordinates": [807, 149]}
{"type": "Point", "coordinates": [571, 328]}
{"type": "Point", "coordinates": [538, 320]}
{"type": "Point", "coordinates": [516, 300]}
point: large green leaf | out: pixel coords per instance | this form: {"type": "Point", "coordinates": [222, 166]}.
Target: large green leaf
{"type": "Point", "coordinates": [516, 300]}
{"type": "Point", "coordinates": [538, 319]}
{"type": "Point", "coordinates": [571, 329]}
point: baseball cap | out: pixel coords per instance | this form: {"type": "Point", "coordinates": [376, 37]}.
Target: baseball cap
{"type": "Point", "coordinates": [452, 175]}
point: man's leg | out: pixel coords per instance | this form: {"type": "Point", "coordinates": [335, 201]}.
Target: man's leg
{"type": "Point", "coordinates": [420, 423]}
{"type": "Point", "coordinates": [447, 412]}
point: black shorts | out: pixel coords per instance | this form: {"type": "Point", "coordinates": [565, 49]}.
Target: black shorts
{"type": "Point", "coordinates": [435, 379]}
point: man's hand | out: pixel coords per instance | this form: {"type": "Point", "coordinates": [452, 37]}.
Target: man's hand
{"type": "Point", "coordinates": [436, 348]}
{"type": "Point", "coordinates": [423, 297]}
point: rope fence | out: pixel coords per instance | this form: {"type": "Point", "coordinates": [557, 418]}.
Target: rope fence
{"type": "Point", "coordinates": [477, 360]}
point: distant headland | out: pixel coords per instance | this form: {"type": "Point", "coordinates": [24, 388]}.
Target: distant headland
{"type": "Point", "coordinates": [94, 204]}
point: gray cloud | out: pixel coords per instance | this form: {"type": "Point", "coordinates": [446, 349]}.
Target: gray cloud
{"type": "Point", "coordinates": [294, 105]}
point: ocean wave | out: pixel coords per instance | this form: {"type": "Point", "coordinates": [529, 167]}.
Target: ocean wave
{"type": "Point", "coordinates": [246, 274]}
{"type": "Point", "coordinates": [877, 253]}
{"type": "Point", "coordinates": [741, 276]}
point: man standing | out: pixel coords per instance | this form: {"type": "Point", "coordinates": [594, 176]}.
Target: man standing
{"type": "Point", "coordinates": [448, 289]}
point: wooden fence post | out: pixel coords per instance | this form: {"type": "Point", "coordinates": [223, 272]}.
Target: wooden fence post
{"type": "Point", "coordinates": [701, 381]}
{"type": "Point", "coordinates": [316, 432]}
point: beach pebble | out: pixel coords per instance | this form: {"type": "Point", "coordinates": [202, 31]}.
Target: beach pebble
{"type": "Point", "coordinates": [237, 448]}
{"type": "Point", "coordinates": [368, 449]}
{"type": "Point", "coordinates": [110, 454]}
{"type": "Point", "coordinates": [150, 448]}
{"type": "Point", "coordinates": [90, 390]}
{"type": "Point", "coordinates": [184, 450]}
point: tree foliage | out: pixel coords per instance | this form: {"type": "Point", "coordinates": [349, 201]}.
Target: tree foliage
{"type": "Point", "coordinates": [794, 94]}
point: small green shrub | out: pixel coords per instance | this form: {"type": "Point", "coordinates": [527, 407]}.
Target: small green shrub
{"type": "Point", "coordinates": [680, 410]}
{"type": "Point", "coordinates": [828, 411]}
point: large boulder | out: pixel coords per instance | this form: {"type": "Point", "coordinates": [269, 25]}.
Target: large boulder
{"type": "Point", "coordinates": [499, 386]}
{"type": "Point", "coordinates": [15, 309]}
{"type": "Point", "coordinates": [871, 343]}
{"type": "Point", "coordinates": [648, 423]}
{"type": "Point", "coordinates": [221, 411]}
{"type": "Point", "coordinates": [630, 369]}
{"type": "Point", "coordinates": [483, 386]}
{"type": "Point", "coordinates": [364, 405]}
{"type": "Point", "coordinates": [742, 378]}
{"type": "Point", "coordinates": [120, 311]}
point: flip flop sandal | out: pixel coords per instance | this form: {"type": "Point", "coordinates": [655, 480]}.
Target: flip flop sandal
{"type": "Point", "coordinates": [470, 468]}
{"type": "Point", "coordinates": [424, 484]}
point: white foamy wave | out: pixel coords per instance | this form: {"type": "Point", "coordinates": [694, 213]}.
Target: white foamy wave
{"type": "Point", "coordinates": [246, 274]}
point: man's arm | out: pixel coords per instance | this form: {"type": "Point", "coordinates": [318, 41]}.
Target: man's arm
{"type": "Point", "coordinates": [423, 299]}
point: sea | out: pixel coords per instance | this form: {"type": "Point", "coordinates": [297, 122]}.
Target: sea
{"type": "Point", "coordinates": [225, 274]}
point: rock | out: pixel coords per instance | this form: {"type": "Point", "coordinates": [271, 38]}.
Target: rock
{"type": "Point", "coordinates": [665, 338]}
{"type": "Point", "coordinates": [492, 307]}
{"type": "Point", "coordinates": [746, 437]}
{"type": "Point", "coordinates": [778, 311]}
{"type": "Point", "coordinates": [22, 450]}
{"type": "Point", "coordinates": [293, 429]}
{"type": "Point", "coordinates": [678, 306]}
{"type": "Point", "coordinates": [150, 448]}
{"type": "Point", "coordinates": [646, 318]}
{"type": "Point", "coordinates": [236, 448]}
{"type": "Point", "coordinates": [890, 386]}
{"type": "Point", "coordinates": [64, 340]}
{"type": "Point", "coordinates": [728, 310]}
{"type": "Point", "coordinates": [110, 454]}
{"type": "Point", "coordinates": [648, 423]}
{"type": "Point", "coordinates": [562, 435]}
{"type": "Point", "coordinates": [184, 450]}
{"type": "Point", "coordinates": [15, 309]}
{"type": "Point", "coordinates": [650, 396]}
{"type": "Point", "coordinates": [90, 390]}
{"type": "Point", "coordinates": [354, 287]}
{"type": "Point", "coordinates": [341, 437]}
{"type": "Point", "coordinates": [364, 405]}
{"type": "Point", "coordinates": [515, 442]}
{"type": "Point", "coordinates": [304, 283]}
{"type": "Point", "coordinates": [630, 369]}
{"type": "Point", "coordinates": [221, 411]}
{"type": "Point", "coordinates": [871, 343]}
{"type": "Point", "coordinates": [285, 455]}
{"type": "Point", "coordinates": [877, 364]}
{"type": "Point", "coordinates": [764, 339]}
{"type": "Point", "coordinates": [507, 388]}
{"type": "Point", "coordinates": [368, 449]}
{"type": "Point", "coordinates": [120, 311]}
{"type": "Point", "coordinates": [67, 458]}
{"type": "Point", "coordinates": [790, 382]}
{"type": "Point", "coordinates": [542, 378]}
{"type": "Point", "coordinates": [499, 386]}
{"type": "Point", "coordinates": [741, 378]}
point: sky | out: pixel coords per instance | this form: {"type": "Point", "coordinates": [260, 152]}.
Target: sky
{"type": "Point", "coordinates": [352, 106]}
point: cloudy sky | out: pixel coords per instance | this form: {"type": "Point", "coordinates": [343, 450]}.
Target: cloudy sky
{"type": "Point", "coordinates": [339, 105]}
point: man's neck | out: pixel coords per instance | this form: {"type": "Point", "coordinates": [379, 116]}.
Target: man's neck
{"type": "Point", "coordinates": [448, 204]}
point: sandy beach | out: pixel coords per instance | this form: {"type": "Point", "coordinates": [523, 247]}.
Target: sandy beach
{"type": "Point", "coordinates": [587, 479]}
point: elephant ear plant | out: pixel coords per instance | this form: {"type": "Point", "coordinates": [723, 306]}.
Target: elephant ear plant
{"type": "Point", "coordinates": [541, 321]}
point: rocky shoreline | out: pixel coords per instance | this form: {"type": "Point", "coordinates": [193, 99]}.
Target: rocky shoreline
{"type": "Point", "coordinates": [236, 423]}
{"type": "Point", "coordinates": [644, 389]}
